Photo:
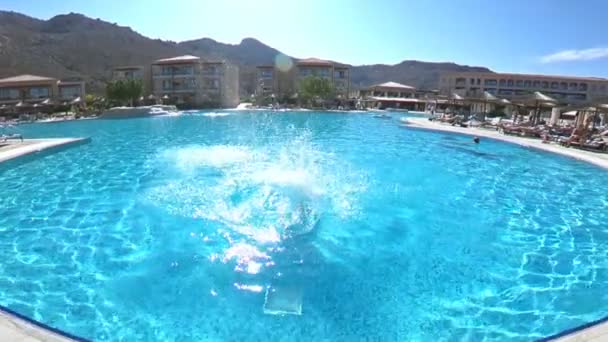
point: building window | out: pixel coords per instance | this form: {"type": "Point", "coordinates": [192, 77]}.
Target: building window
{"type": "Point", "coordinates": [266, 74]}
{"type": "Point", "coordinates": [545, 85]}
{"type": "Point", "coordinates": [509, 83]}
{"type": "Point", "coordinates": [340, 74]}
{"type": "Point", "coordinates": [323, 72]}
{"type": "Point", "coordinates": [554, 85]}
{"type": "Point", "coordinates": [69, 92]}
{"type": "Point", "coordinates": [519, 83]}
{"type": "Point", "coordinates": [572, 86]}
{"type": "Point", "coordinates": [7, 93]}
{"type": "Point", "coordinates": [563, 86]}
{"type": "Point", "coordinates": [527, 84]}
{"type": "Point", "coordinates": [492, 83]}
{"type": "Point", "coordinates": [39, 92]}
{"type": "Point", "coordinates": [602, 88]}
{"type": "Point", "coordinates": [582, 87]}
{"type": "Point", "coordinates": [210, 69]}
{"type": "Point", "coordinates": [472, 81]}
{"type": "Point", "coordinates": [213, 84]}
{"type": "Point", "coordinates": [502, 83]}
{"type": "Point", "coordinates": [166, 85]}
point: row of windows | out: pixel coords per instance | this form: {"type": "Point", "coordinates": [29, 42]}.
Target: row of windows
{"type": "Point", "coordinates": [508, 92]}
{"type": "Point", "coordinates": [266, 74]}
{"type": "Point", "coordinates": [69, 92]}
{"type": "Point", "coordinates": [391, 94]}
{"type": "Point", "coordinates": [186, 84]}
{"type": "Point", "coordinates": [314, 72]}
{"type": "Point", "coordinates": [39, 92]}
{"type": "Point", "coordinates": [130, 75]}
{"type": "Point", "coordinates": [9, 94]}
{"type": "Point", "coordinates": [177, 70]}
{"type": "Point", "coordinates": [532, 84]}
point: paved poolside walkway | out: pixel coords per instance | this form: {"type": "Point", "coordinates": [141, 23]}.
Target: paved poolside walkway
{"type": "Point", "coordinates": [596, 158]}
{"type": "Point", "coordinates": [17, 148]}
{"type": "Point", "coordinates": [15, 329]}
{"type": "Point", "coordinates": [596, 333]}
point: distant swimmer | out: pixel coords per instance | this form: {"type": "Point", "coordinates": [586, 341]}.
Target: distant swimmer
{"type": "Point", "coordinates": [476, 140]}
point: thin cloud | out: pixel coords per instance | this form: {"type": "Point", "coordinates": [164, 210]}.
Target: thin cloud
{"type": "Point", "coordinates": [576, 55]}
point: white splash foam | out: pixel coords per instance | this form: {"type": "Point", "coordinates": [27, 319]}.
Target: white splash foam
{"type": "Point", "coordinates": [262, 196]}
{"type": "Point", "coordinates": [215, 114]}
{"type": "Point", "coordinates": [192, 157]}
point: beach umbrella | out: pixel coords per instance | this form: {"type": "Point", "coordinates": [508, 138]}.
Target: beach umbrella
{"type": "Point", "coordinates": [76, 100]}
{"type": "Point", "coordinates": [485, 98]}
{"type": "Point", "coordinates": [46, 102]}
{"type": "Point", "coordinates": [151, 97]}
{"type": "Point", "coordinates": [538, 100]}
{"type": "Point", "coordinates": [20, 104]}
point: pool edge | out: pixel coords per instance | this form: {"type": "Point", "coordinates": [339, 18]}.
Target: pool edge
{"type": "Point", "coordinates": [32, 329]}
{"type": "Point", "coordinates": [424, 124]}
{"type": "Point", "coordinates": [41, 145]}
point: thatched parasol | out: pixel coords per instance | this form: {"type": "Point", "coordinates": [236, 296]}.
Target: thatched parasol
{"type": "Point", "coordinates": [539, 100]}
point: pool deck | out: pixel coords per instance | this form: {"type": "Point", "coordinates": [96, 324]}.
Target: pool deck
{"type": "Point", "coordinates": [15, 329]}
{"type": "Point", "coordinates": [596, 158]}
{"type": "Point", "coordinates": [17, 148]}
{"type": "Point", "coordinates": [594, 333]}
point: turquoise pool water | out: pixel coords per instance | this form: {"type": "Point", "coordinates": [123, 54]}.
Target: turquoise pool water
{"type": "Point", "coordinates": [172, 228]}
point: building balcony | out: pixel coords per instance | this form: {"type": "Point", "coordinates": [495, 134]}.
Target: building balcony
{"type": "Point", "coordinates": [179, 90]}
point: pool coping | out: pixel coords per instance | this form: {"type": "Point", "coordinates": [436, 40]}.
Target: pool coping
{"type": "Point", "coordinates": [31, 146]}
{"type": "Point", "coordinates": [17, 327]}
{"type": "Point", "coordinates": [597, 159]}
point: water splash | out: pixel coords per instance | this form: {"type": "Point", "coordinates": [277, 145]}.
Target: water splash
{"type": "Point", "coordinates": [259, 196]}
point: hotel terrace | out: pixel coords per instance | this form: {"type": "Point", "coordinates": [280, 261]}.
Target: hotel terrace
{"type": "Point", "coordinates": [391, 95]}
{"type": "Point", "coordinates": [29, 90]}
{"type": "Point", "coordinates": [273, 81]}
{"type": "Point", "coordinates": [188, 80]}
{"type": "Point", "coordinates": [517, 86]}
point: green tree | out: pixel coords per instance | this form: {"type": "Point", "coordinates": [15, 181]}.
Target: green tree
{"type": "Point", "coordinates": [124, 91]}
{"type": "Point", "coordinates": [314, 88]}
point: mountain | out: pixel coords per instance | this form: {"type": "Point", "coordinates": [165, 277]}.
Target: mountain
{"type": "Point", "coordinates": [424, 75]}
{"type": "Point", "coordinates": [73, 45]}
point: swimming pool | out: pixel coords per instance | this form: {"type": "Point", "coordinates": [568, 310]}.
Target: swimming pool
{"type": "Point", "coordinates": [173, 228]}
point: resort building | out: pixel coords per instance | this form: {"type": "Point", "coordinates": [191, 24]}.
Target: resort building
{"type": "Point", "coordinates": [134, 72]}
{"type": "Point", "coordinates": [391, 95]}
{"type": "Point", "coordinates": [517, 86]}
{"type": "Point", "coordinates": [189, 81]}
{"type": "Point", "coordinates": [337, 74]}
{"type": "Point", "coordinates": [273, 81]}
{"type": "Point", "coordinates": [71, 90]}
{"type": "Point", "coordinates": [24, 90]}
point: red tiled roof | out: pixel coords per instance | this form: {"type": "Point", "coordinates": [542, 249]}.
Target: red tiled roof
{"type": "Point", "coordinates": [178, 60]}
{"type": "Point", "coordinates": [392, 85]}
{"type": "Point", "coordinates": [27, 78]}
{"type": "Point", "coordinates": [506, 74]}
{"type": "Point", "coordinates": [314, 61]}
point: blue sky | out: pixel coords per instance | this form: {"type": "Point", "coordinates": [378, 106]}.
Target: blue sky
{"type": "Point", "coordinates": [565, 37]}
